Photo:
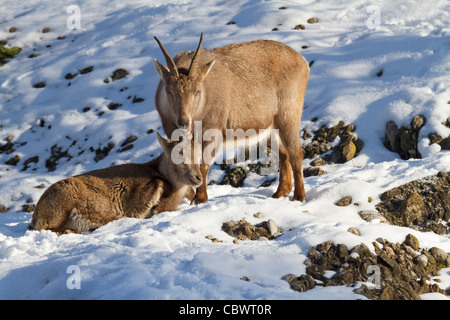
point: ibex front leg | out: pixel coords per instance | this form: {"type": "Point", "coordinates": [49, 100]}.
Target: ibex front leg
{"type": "Point", "coordinates": [201, 195]}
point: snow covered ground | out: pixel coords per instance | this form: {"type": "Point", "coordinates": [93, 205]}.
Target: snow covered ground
{"type": "Point", "coordinates": [168, 256]}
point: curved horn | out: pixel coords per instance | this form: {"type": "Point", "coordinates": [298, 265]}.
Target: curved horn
{"type": "Point", "coordinates": [194, 64]}
{"type": "Point", "coordinates": [170, 63]}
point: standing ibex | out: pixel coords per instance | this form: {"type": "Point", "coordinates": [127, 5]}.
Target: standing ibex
{"type": "Point", "coordinates": [252, 85]}
{"type": "Point", "coordinates": [87, 201]}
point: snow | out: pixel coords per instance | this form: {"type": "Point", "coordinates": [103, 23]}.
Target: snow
{"type": "Point", "coordinates": [168, 256]}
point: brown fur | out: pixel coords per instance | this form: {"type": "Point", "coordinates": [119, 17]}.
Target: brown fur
{"type": "Point", "coordinates": [252, 85]}
{"type": "Point", "coordinates": [87, 201]}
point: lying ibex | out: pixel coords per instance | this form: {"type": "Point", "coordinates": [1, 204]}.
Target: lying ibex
{"type": "Point", "coordinates": [252, 85]}
{"type": "Point", "coordinates": [87, 201]}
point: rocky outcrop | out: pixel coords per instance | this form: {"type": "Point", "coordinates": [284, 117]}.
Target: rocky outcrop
{"type": "Point", "coordinates": [422, 204]}
{"type": "Point", "coordinates": [404, 140]}
{"type": "Point", "coordinates": [243, 230]}
{"type": "Point", "coordinates": [346, 149]}
{"type": "Point", "coordinates": [396, 271]}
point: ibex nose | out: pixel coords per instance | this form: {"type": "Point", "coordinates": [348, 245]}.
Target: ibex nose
{"type": "Point", "coordinates": [183, 124]}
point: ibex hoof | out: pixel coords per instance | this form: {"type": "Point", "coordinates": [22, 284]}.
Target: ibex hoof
{"type": "Point", "coordinates": [199, 200]}
{"type": "Point", "coordinates": [282, 193]}
{"type": "Point", "coordinates": [300, 197]}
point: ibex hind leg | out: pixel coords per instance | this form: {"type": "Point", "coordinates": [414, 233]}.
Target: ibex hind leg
{"type": "Point", "coordinates": [299, 191]}
{"type": "Point", "coordinates": [290, 138]}
{"type": "Point", "coordinates": [78, 223]}
{"type": "Point", "coordinates": [285, 181]}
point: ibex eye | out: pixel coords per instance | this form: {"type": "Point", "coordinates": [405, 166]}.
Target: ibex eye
{"type": "Point", "coordinates": [197, 92]}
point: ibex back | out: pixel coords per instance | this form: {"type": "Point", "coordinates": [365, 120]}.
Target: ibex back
{"type": "Point", "coordinates": [252, 85]}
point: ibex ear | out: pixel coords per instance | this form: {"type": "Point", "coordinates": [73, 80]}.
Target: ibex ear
{"type": "Point", "coordinates": [163, 142]}
{"type": "Point", "coordinates": [162, 70]}
{"type": "Point", "coordinates": [204, 70]}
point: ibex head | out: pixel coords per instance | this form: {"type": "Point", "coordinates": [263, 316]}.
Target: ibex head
{"type": "Point", "coordinates": [187, 171]}
{"type": "Point", "coordinates": [184, 89]}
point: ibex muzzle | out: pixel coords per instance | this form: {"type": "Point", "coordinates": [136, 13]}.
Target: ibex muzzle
{"type": "Point", "coordinates": [253, 85]}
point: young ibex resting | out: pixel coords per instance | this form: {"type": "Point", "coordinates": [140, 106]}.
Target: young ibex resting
{"type": "Point", "coordinates": [252, 85]}
{"type": "Point", "coordinates": [87, 201]}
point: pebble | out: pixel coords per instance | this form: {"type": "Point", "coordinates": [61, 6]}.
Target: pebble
{"type": "Point", "coordinates": [354, 231]}
{"type": "Point", "coordinates": [370, 215]}
{"type": "Point", "coordinates": [272, 227]}
{"type": "Point", "coordinates": [258, 215]}
{"type": "Point", "coordinates": [439, 255]}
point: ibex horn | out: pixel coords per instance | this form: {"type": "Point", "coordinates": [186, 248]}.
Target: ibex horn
{"type": "Point", "coordinates": [170, 63]}
{"type": "Point", "coordinates": [194, 64]}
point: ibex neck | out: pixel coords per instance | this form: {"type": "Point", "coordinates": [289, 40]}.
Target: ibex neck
{"type": "Point", "coordinates": [164, 168]}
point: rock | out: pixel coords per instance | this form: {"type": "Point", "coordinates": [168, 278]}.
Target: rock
{"type": "Point", "coordinates": [343, 202]}
{"type": "Point", "coordinates": [300, 27]}
{"type": "Point", "coordinates": [213, 239]}
{"type": "Point", "coordinates": [234, 177]}
{"type": "Point", "coordinates": [362, 250]}
{"type": "Point", "coordinates": [126, 148]}
{"type": "Point", "coordinates": [404, 140]}
{"type": "Point", "coordinates": [435, 138]}
{"type": "Point", "coordinates": [435, 194]}
{"type": "Point", "coordinates": [129, 140]}
{"type": "Point", "coordinates": [396, 273]}
{"type": "Point", "coordinates": [3, 209]}
{"type": "Point", "coordinates": [272, 227]}
{"type": "Point", "coordinates": [70, 76]}
{"type": "Point", "coordinates": [447, 122]}
{"type": "Point", "coordinates": [87, 70]}
{"type": "Point", "coordinates": [412, 241]}
{"type": "Point", "coordinates": [445, 143]}
{"type": "Point", "coordinates": [370, 215]}
{"type": "Point", "coordinates": [411, 209]}
{"type": "Point", "coordinates": [439, 255]}
{"type": "Point", "coordinates": [348, 152]}
{"type": "Point", "coordinates": [101, 153]}
{"type": "Point", "coordinates": [28, 208]}
{"type": "Point", "coordinates": [56, 154]}
{"type": "Point", "coordinates": [313, 171]}
{"type": "Point", "coordinates": [13, 161]}
{"type": "Point", "coordinates": [409, 250]}
{"type": "Point", "coordinates": [30, 160]}
{"type": "Point", "coordinates": [46, 30]}
{"type": "Point", "coordinates": [318, 162]}
{"type": "Point", "coordinates": [301, 284]}
{"type": "Point", "coordinates": [243, 230]}
{"type": "Point", "coordinates": [114, 106]}
{"type": "Point", "coordinates": [119, 74]}
{"type": "Point", "coordinates": [39, 85]}
{"type": "Point", "coordinates": [258, 215]}
{"type": "Point", "coordinates": [348, 147]}
{"type": "Point", "coordinates": [391, 132]}
{"type": "Point", "coordinates": [408, 144]}
{"type": "Point", "coordinates": [422, 260]}
{"type": "Point", "coordinates": [354, 231]}
{"type": "Point", "coordinates": [6, 53]}
{"type": "Point", "coordinates": [312, 20]}
{"type": "Point", "coordinates": [417, 122]}
{"type": "Point", "coordinates": [137, 100]}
